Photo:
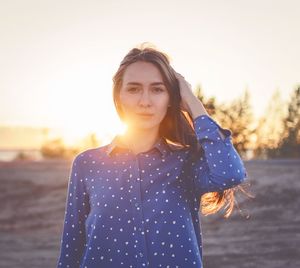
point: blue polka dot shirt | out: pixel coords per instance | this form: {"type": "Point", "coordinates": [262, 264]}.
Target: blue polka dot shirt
{"type": "Point", "coordinates": [127, 210]}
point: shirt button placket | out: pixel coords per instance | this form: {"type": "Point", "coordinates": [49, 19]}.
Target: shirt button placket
{"type": "Point", "coordinates": [141, 248]}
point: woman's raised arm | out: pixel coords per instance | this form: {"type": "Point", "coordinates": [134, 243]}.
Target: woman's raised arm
{"type": "Point", "coordinates": [220, 167]}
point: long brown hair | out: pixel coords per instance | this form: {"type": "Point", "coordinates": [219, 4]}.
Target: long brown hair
{"type": "Point", "coordinates": [177, 126]}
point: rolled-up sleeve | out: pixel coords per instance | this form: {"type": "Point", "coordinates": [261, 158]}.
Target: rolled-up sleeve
{"type": "Point", "coordinates": [220, 167]}
{"type": "Point", "coordinates": [77, 210]}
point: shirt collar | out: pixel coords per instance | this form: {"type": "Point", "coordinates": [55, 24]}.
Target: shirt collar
{"type": "Point", "coordinates": [162, 145]}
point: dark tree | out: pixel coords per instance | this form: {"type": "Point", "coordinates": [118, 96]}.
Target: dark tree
{"type": "Point", "coordinates": [290, 145]}
{"type": "Point", "coordinates": [269, 130]}
{"type": "Point", "coordinates": [238, 117]}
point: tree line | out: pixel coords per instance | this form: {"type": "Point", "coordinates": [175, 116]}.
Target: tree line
{"type": "Point", "coordinates": [274, 135]}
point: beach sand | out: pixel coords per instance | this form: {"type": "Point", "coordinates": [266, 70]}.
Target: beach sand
{"type": "Point", "coordinates": [265, 233]}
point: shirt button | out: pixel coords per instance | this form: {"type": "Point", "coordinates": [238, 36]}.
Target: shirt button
{"type": "Point", "coordinates": [141, 254]}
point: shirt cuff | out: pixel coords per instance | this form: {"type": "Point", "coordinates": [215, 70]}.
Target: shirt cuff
{"type": "Point", "coordinates": [207, 129]}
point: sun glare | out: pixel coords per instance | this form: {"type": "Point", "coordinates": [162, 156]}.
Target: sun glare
{"type": "Point", "coordinates": [104, 130]}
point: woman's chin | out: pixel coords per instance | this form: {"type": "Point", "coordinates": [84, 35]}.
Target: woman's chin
{"type": "Point", "coordinates": [142, 126]}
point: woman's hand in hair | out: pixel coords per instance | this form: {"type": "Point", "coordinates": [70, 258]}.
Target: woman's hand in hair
{"type": "Point", "coordinates": [189, 102]}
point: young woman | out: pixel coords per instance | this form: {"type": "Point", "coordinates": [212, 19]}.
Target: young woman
{"type": "Point", "coordinates": [135, 202]}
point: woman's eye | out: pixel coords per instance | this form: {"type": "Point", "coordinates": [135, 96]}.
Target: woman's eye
{"type": "Point", "coordinates": [132, 89]}
{"type": "Point", "coordinates": [158, 89]}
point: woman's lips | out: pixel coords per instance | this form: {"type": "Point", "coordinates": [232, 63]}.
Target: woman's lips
{"type": "Point", "coordinates": [144, 114]}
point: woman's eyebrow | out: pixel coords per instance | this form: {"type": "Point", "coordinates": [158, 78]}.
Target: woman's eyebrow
{"type": "Point", "coordinates": [152, 84]}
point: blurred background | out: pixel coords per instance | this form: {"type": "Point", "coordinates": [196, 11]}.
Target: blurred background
{"type": "Point", "coordinates": [57, 59]}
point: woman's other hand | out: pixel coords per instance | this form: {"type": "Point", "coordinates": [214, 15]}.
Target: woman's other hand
{"type": "Point", "coordinates": [189, 102]}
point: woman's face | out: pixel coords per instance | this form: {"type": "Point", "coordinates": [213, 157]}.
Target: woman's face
{"type": "Point", "coordinates": [144, 97]}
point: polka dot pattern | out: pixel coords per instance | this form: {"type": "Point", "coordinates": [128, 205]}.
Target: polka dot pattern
{"type": "Point", "coordinates": [127, 210]}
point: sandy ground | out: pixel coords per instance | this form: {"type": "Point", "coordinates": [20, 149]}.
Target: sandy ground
{"type": "Point", "coordinates": [32, 200]}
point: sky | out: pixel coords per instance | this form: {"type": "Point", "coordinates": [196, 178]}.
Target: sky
{"type": "Point", "coordinates": [57, 58]}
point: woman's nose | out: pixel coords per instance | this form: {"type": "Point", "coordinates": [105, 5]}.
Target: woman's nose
{"type": "Point", "coordinates": [145, 99]}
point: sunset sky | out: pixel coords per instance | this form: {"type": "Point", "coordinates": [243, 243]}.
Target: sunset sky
{"type": "Point", "coordinates": [57, 58]}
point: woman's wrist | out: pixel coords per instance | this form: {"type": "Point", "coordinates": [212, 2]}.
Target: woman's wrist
{"type": "Point", "coordinates": [196, 108]}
